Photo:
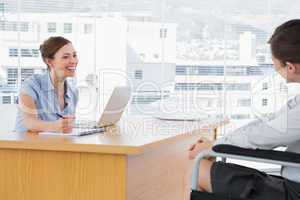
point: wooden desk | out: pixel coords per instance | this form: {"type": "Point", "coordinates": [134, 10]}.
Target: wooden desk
{"type": "Point", "coordinates": [141, 158]}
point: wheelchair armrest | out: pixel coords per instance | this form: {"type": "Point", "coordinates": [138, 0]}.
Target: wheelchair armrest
{"type": "Point", "coordinates": [257, 155]}
{"type": "Point", "coordinates": [283, 156]}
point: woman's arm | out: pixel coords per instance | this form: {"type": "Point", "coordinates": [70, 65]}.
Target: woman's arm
{"type": "Point", "coordinates": [32, 123]}
{"type": "Point", "coordinates": [280, 131]}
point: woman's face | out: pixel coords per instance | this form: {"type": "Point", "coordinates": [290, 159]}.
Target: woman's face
{"type": "Point", "coordinates": [64, 62]}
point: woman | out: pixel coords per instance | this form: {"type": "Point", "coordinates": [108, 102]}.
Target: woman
{"type": "Point", "coordinates": [282, 130]}
{"type": "Point", "coordinates": [47, 102]}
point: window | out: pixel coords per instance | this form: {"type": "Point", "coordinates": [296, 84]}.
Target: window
{"type": "Point", "coordinates": [200, 70]}
{"type": "Point", "coordinates": [26, 73]}
{"type": "Point", "coordinates": [35, 52]}
{"type": "Point", "coordinates": [138, 74]}
{"type": "Point", "coordinates": [25, 53]}
{"type": "Point", "coordinates": [142, 56]}
{"type": "Point", "coordinates": [181, 70]}
{"type": "Point", "coordinates": [8, 26]}
{"type": "Point", "coordinates": [6, 99]}
{"type": "Point", "coordinates": [238, 86]}
{"type": "Point", "coordinates": [244, 103]}
{"type": "Point", "coordinates": [202, 55]}
{"type": "Point", "coordinates": [199, 86]}
{"type": "Point", "coordinates": [29, 53]}
{"type": "Point", "coordinates": [283, 87]}
{"type": "Point", "coordinates": [236, 71]}
{"type": "Point", "coordinates": [12, 75]}
{"type": "Point", "coordinates": [2, 25]}
{"type": "Point", "coordinates": [265, 86]}
{"type": "Point", "coordinates": [255, 71]}
{"type": "Point", "coordinates": [240, 116]}
{"type": "Point", "coordinates": [24, 26]}
{"type": "Point", "coordinates": [163, 32]}
{"type": "Point", "coordinates": [264, 102]}
{"type": "Point", "coordinates": [13, 26]}
{"type": "Point", "coordinates": [13, 52]}
{"type": "Point", "coordinates": [67, 27]}
{"type": "Point", "coordinates": [156, 56]}
{"type": "Point", "coordinates": [51, 27]}
{"type": "Point", "coordinates": [16, 100]}
{"type": "Point", "coordinates": [2, 7]}
{"type": "Point", "coordinates": [88, 28]}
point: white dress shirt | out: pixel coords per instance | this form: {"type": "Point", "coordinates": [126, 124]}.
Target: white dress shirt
{"type": "Point", "coordinates": [282, 129]}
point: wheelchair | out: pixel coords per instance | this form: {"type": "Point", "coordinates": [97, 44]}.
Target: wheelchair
{"type": "Point", "coordinates": [228, 151]}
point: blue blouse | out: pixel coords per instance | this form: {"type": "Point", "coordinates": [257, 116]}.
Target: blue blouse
{"type": "Point", "coordinates": [41, 89]}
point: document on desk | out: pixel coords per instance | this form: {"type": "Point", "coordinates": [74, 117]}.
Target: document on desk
{"type": "Point", "coordinates": [76, 132]}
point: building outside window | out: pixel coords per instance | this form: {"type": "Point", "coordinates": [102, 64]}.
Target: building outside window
{"type": "Point", "coordinates": [88, 28]}
{"type": "Point", "coordinates": [6, 99]}
{"type": "Point", "coordinates": [244, 103]}
{"type": "Point", "coordinates": [163, 32]}
{"type": "Point", "coordinates": [24, 26]}
{"type": "Point", "coordinates": [265, 86]}
{"type": "Point", "coordinates": [51, 27]}
{"type": "Point", "coordinates": [205, 51]}
{"type": "Point", "coordinates": [2, 25]}
{"type": "Point", "coordinates": [2, 7]}
{"type": "Point", "coordinates": [13, 52]}
{"type": "Point", "coordinates": [35, 52]}
{"type": "Point", "coordinates": [67, 27]}
{"type": "Point", "coordinates": [264, 102]}
{"type": "Point", "coordinates": [240, 116]}
{"type": "Point", "coordinates": [12, 75]}
{"type": "Point", "coordinates": [26, 53]}
{"type": "Point", "coordinates": [29, 53]}
{"type": "Point", "coordinates": [138, 74]}
{"type": "Point", "coordinates": [8, 26]}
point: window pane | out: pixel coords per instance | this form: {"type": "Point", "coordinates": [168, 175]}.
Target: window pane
{"type": "Point", "coordinates": [51, 27]}
{"type": "Point", "coordinates": [67, 27]}
{"type": "Point", "coordinates": [215, 52]}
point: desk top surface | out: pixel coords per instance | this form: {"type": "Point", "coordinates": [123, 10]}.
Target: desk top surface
{"type": "Point", "coordinates": [131, 136]}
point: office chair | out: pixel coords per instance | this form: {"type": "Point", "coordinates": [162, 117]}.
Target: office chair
{"type": "Point", "coordinates": [229, 151]}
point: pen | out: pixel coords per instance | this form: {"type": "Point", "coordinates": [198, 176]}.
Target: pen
{"type": "Point", "coordinates": [59, 115]}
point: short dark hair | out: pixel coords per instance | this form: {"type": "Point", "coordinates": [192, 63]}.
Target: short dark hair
{"type": "Point", "coordinates": [50, 46]}
{"type": "Point", "coordinates": [285, 42]}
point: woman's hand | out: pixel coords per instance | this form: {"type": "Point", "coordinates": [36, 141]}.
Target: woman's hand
{"type": "Point", "coordinates": [200, 145]}
{"type": "Point", "coordinates": [65, 124]}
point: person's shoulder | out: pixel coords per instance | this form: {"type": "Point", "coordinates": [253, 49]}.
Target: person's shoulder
{"type": "Point", "coordinates": [33, 81]}
{"type": "Point", "coordinates": [34, 78]}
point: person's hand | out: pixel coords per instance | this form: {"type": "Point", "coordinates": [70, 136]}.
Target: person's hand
{"type": "Point", "coordinates": [200, 145]}
{"type": "Point", "coordinates": [65, 124]}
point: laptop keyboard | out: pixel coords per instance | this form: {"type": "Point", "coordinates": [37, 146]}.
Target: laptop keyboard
{"type": "Point", "coordinates": [87, 127]}
{"type": "Point", "coordinates": [88, 131]}
{"type": "Point", "coordinates": [85, 124]}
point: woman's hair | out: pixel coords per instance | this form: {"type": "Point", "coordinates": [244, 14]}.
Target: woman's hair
{"type": "Point", "coordinates": [51, 46]}
{"type": "Point", "coordinates": [285, 42]}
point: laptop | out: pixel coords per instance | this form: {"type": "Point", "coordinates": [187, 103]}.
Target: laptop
{"type": "Point", "coordinates": [112, 113]}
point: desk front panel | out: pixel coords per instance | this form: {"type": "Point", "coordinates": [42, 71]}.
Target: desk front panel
{"type": "Point", "coordinates": [50, 175]}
